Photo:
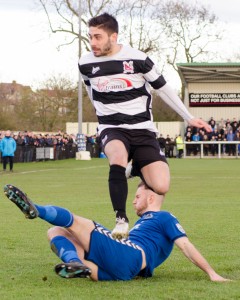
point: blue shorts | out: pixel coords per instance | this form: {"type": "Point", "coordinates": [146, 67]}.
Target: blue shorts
{"type": "Point", "coordinates": [116, 260]}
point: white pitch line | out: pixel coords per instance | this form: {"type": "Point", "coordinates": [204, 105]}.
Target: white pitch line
{"type": "Point", "coordinates": [94, 167]}
{"type": "Point", "coordinates": [45, 170]}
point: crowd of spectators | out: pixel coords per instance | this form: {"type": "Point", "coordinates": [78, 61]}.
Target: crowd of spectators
{"type": "Point", "coordinates": [65, 145]}
{"type": "Point", "coordinates": [224, 130]}
{"type": "Point", "coordinates": [93, 146]}
{"type": "Point", "coordinates": [28, 142]}
{"type": "Point", "coordinates": [167, 145]}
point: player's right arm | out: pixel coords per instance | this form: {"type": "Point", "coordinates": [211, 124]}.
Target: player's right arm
{"type": "Point", "coordinates": [190, 251]}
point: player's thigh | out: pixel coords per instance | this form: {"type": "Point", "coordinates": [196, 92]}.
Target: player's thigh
{"type": "Point", "coordinates": [116, 144]}
{"type": "Point", "coordinates": [81, 229]}
{"type": "Point", "coordinates": [116, 153]}
{"type": "Point", "coordinates": [157, 176]}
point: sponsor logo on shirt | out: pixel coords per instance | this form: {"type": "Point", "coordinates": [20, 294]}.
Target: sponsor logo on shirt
{"type": "Point", "coordinates": [128, 67]}
{"type": "Point", "coordinates": [135, 227]}
{"type": "Point", "coordinates": [113, 84]}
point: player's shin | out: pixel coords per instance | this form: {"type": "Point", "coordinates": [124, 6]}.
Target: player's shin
{"type": "Point", "coordinates": [118, 189]}
{"type": "Point", "coordinates": [55, 215]}
{"type": "Point", "coordinates": [64, 249]}
{"type": "Point", "coordinates": [72, 266]}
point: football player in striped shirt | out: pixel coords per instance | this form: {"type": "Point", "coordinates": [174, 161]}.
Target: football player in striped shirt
{"type": "Point", "coordinates": [119, 80]}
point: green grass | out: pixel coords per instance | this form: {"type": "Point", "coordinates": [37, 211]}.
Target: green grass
{"type": "Point", "coordinates": [204, 195]}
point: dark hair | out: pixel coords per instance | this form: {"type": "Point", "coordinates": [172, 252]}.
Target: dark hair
{"type": "Point", "coordinates": [145, 186]}
{"type": "Point", "coordinates": [104, 21]}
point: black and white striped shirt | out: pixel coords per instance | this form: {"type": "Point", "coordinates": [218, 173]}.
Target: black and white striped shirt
{"type": "Point", "coordinates": [119, 88]}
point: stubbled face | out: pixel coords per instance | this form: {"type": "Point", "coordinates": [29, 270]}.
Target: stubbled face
{"type": "Point", "coordinates": [101, 43]}
{"type": "Point", "coordinates": [140, 202]}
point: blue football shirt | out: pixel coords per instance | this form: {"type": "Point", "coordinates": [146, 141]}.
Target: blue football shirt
{"type": "Point", "coordinates": [155, 233]}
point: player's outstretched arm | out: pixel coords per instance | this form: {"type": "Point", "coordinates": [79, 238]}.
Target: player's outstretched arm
{"type": "Point", "coordinates": [196, 258]}
{"type": "Point", "coordinates": [169, 96]}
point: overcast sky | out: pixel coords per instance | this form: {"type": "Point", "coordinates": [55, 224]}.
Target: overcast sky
{"type": "Point", "coordinates": [28, 51]}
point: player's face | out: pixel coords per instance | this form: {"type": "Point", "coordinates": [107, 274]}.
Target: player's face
{"type": "Point", "coordinates": [101, 43]}
{"type": "Point", "coordinates": [140, 202]}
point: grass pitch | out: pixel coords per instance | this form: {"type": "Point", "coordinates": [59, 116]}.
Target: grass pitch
{"type": "Point", "coordinates": [204, 195]}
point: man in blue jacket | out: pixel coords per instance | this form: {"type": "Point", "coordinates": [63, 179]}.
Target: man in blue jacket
{"type": "Point", "coordinates": [8, 147]}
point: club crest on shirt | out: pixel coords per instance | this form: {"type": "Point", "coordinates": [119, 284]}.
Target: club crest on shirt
{"type": "Point", "coordinates": [148, 216]}
{"type": "Point", "coordinates": [128, 67]}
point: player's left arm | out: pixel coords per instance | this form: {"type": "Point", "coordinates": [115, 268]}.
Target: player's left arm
{"type": "Point", "coordinates": [169, 96]}
{"type": "Point", "coordinates": [189, 250]}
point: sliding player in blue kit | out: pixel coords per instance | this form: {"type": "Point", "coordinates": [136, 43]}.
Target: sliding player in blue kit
{"type": "Point", "coordinates": [119, 80]}
{"type": "Point", "coordinates": [87, 249]}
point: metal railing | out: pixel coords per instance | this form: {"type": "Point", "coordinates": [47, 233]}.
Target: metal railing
{"type": "Point", "coordinates": [221, 148]}
{"type": "Point", "coordinates": [32, 153]}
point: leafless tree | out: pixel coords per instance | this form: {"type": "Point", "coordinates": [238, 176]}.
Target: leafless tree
{"type": "Point", "coordinates": [66, 16]}
{"type": "Point", "coordinates": [6, 120]}
{"type": "Point", "coordinates": [143, 28]}
{"type": "Point", "coordinates": [11, 95]}
{"type": "Point", "coordinates": [24, 111]}
{"type": "Point", "coordinates": [139, 22]}
{"type": "Point", "coordinates": [190, 28]}
{"type": "Point", "coordinates": [54, 102]}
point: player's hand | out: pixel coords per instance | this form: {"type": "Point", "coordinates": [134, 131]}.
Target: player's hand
{"type": "Point", "coordinates": [217, 278]}
{"type": "Point", "coordinates": [199, 123]}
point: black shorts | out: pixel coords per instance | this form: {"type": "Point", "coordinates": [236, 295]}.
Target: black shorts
{"type": "Point", "coordinates": [142, 146]}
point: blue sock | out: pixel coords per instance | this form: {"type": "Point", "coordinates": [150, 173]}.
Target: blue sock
{"type": "Point", "coordinates": [64, 249]}
{"type": "Point", "coordinates": [55, 215]}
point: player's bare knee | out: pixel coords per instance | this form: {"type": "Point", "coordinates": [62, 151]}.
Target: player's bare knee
{"type": "Point", "coordinates": [54, 231]}
{"type": "Point", "coordinates": [161, 190]}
